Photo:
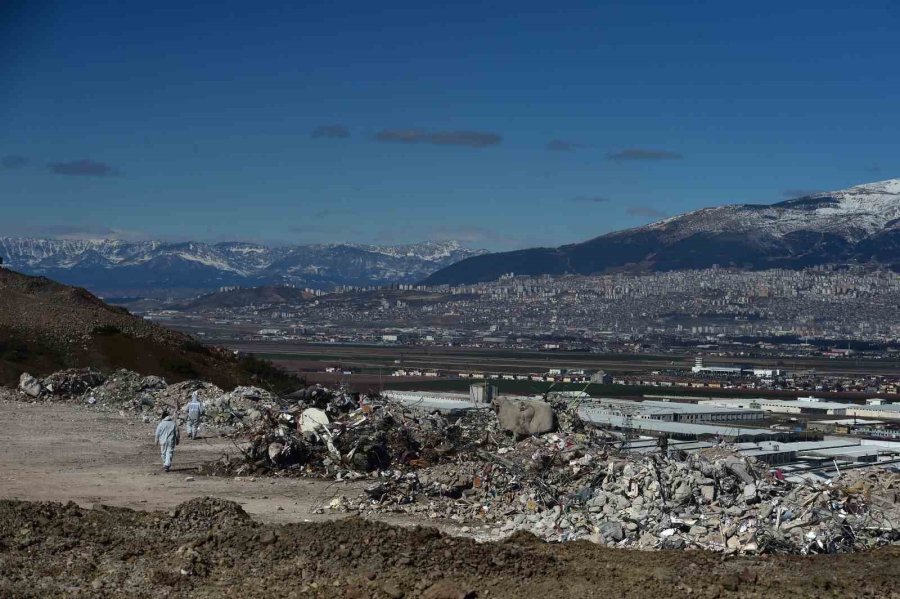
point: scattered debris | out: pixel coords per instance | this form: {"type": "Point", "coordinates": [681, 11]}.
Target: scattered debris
{"type": "Point", "coordinates": [528, 466]}
{"type": "Point", "coordinates": [484, 472]}
{"type": "Point", "coordinates": [565, 488]}
{"type": "Point", "coordinates": [72, 382]}
{"type": "Point", "coordinates": [130, 392]}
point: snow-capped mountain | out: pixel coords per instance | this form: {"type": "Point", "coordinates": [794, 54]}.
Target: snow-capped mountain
{"type": "Point", "coordinates": [856, 225]}
{"type": "Point", "coordinates": [431, 251]}
{"type": "Point", "coordinates": [854, 214]}
{"type": "Point", "coordinates": [112, 266]}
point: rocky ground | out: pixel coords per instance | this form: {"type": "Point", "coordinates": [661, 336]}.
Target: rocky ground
{"type": "Point", "coordinates": [210, 548]}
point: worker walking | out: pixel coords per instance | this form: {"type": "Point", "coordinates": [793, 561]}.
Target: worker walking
{"type": "Point", "coordinates": [167, 437]}
{"type": "Point", "coordinates": [194, 412]}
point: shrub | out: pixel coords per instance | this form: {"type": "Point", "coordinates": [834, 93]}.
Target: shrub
{"type": "Point", "coordinates": [179, 366]}
{"type": "Point", "coordinates": [107, 330]}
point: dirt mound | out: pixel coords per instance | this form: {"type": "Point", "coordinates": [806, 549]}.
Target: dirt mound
{"type": "Point", "coordinates": [46, 326]}
{"type": "Point", "coordinates": [61, 550]}
{"type": "Point", "coordinates": [206, 513]}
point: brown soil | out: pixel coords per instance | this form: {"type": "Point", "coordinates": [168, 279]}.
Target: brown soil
{"type": "Point", "coordinates": [211, 548]}
{"type": "Point", "coordinates": [46, 326]}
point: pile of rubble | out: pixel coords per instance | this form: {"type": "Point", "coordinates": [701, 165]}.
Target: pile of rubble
{"type": "Point", "coordinates": [525, 465]}
{"type": "Point", "coordinates": [498, 472]}
{"type": "Point", "coordinates": [561, 490]}
{"type": "Point", "coordinates": [71, 382]}
{"type": "Point", "coordinates": [238, 407]}
{"type": "Point", "coordinates": [341, 435]}
{"type": "Point", "coordinates": [123, 390]}
{"type": "Point", "coordinates": [129, 392]}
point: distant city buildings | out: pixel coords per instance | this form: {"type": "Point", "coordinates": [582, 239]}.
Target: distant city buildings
{"type": "Point", "coordinates": [705, 307]}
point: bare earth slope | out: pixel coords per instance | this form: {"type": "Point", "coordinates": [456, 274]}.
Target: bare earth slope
{"type": "Point", "coordinates": [46, 326]}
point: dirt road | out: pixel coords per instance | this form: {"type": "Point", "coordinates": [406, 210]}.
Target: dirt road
{"type": "Point", "coordinates": [61, 452]}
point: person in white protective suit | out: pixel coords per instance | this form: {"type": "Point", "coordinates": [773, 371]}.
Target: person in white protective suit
{"type": "Point", "coordinates": [167, 437]}
{"type": "Point", "coordinates": [194, 413]}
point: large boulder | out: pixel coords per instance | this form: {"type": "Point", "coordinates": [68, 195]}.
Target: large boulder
{"type": "Point", "coordinates": [525, 416]}
{"type": "Point", "coordinates": [29, 385]}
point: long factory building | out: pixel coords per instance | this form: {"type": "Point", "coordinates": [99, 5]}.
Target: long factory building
{"type": "Point", "coordinates": [663, 411]}
{"type": "Point", "coordinates": [798, 459]}
{"type": "Point", "coordinates": [811, 406]}
{"type": "Point", "coordinates": [672, 411]}
{"type": "Point", "coordinates": [599, 416]}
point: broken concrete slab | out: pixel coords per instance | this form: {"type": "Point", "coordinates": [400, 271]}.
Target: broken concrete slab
{"type": "Point", "coordinates": [525, 417]}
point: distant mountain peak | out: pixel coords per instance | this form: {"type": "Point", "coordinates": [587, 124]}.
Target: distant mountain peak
{"type": "Point", "coordinates": [857, 224]}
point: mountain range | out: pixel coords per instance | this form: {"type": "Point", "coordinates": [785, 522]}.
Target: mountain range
{"type": "Point", "coordinates": [856, 225]}
{"type": "Point", "coordinates": [148, 268]}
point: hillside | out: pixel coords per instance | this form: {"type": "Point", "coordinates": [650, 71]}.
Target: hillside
{"type": "Point", "coordinates": [268, 295]}
{"type": "Point", "coordinates": [46, 326]}
{"type": "Point", "coordinates": [856, 225]}
{"type": "Point", "coordinates": [114, 267]}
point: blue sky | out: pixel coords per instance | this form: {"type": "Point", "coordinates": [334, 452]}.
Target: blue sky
{"type": "Point", "coordinates": [505, 124]}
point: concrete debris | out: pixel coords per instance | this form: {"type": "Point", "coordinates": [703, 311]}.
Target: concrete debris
{"type": "Point", "coordinates": [527, 466]}
{"type": "Point", "coordinates": [576, 485]}
{"type": "Point", "coordinates": [647, 502]}
{"type": "Point", "coordinates": [313, 420]}
{"type": "Point", "coordinates": [525, 417]}
{"type": "Point", "coordinates": [485, 475]}
{"type": "Point", "coordinates": [341, 435]}
{"type": "Point", "coordinates": [233, 409]}
{"type": "Point", "coordinates": [153, 383]}
{"type": "Point", "coordinates": [73, 382]}
{"type": "Point", "coordinates": [129, 392]}
{"type": "Point", "coordinates": [30, 386]}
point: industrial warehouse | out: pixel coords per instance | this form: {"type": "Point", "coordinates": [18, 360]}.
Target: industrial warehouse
{"type": "Point", "coordinates": [873, 408]}
{"type": "Point", "coordinates": [801, 448]}
{"type": "Point", "coordinates": [670, 411]}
